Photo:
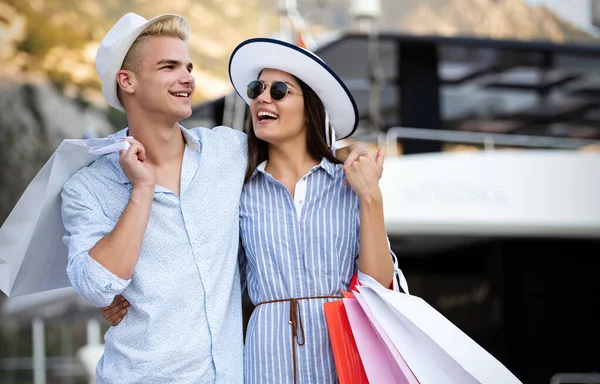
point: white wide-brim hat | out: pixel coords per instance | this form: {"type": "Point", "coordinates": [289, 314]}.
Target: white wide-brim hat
{"type": "Point", "coordinates": [250, 57]}
{"type": "Point", "coordinates": [114, 47]}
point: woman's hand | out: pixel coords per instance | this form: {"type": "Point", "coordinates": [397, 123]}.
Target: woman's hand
{"type": "Point", "coordinates": [353, 151]}
{"type": "Point", "coordinates": [115, 312]}
{"type": "Point", "coordinates": [364, 173]}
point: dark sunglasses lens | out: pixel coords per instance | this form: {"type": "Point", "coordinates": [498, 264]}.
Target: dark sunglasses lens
{"type": "Point", "coordinates": [278, 90]}
{"type": "Point", "coordinates": [255, 88]}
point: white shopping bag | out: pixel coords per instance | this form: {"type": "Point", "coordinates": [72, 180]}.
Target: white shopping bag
{"type": "Point", "coordinates": [436, 350]}
{"type": "Point", "coordinates": [33, 257]}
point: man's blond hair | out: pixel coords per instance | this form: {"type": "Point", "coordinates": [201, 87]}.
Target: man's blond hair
{"type": "Point", "coordinates": [171, 26]}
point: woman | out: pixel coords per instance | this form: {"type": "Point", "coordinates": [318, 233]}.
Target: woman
{"type": "Point", "coordinates": [300, 210]}
{"type": "Point", "coordinates": [299, 222]}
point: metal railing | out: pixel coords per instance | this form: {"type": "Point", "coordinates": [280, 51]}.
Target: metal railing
{"type": "Point", "coordinates": [575, 378]}
{"type": "Point", "coordinates": [390, 138]}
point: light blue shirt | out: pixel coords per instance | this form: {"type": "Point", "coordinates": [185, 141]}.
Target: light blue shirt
{"type": "Point", "coordinates": [184, 322]}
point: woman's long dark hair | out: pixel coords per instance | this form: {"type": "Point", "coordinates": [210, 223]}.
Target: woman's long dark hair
{"type": "Point", "coordinates": [315, 134]}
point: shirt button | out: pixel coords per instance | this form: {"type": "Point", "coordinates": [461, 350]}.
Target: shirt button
{"type": "Point", "coordinates": [301, 201]}
{"type": "Point", "coordinates": [304, 178]}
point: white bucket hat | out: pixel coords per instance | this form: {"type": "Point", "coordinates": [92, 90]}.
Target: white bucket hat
{"type": "Point", "coordinates": [250, 57]}
{"type": "Point", "coordinates": [114, 47]}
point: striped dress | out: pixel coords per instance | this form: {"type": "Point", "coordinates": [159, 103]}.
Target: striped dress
{"type": "Point", "coordinates": [301, 246]}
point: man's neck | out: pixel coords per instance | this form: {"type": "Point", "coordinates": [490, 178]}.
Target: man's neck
{"type": "Point", "coordinates": [164, 143]}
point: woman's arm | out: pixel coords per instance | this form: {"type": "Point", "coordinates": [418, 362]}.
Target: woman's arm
{"type": "Point", "coordinates": [374, 258]}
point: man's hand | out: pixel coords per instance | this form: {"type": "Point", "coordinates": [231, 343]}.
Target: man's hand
{"type": "Point", "coordinates": [115, 312]}
{"type": "Point", "coordinates": [135, 165]}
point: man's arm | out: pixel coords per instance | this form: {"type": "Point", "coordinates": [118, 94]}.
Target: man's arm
{"type": "Point", "coordinates": [85, 224]}
{"type": "Point", "coordinates": [102, 256]}
{"type": "Point", "coordinates": [119, 250]}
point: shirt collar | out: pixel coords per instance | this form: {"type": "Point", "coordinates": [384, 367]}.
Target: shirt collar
{"type": "Point", "coordinates": [260, 168]}
{"type": "Point", "coordinates": [325, 164]}
{"type": "Point", "coordinates": [328, 167]}
{"type": "Point", "coordinates": [190, 140]}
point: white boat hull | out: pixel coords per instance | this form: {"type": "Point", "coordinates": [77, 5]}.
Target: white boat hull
{"type": "Point", "coordinates": [522, 193]}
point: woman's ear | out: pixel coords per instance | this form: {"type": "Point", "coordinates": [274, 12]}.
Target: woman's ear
{"type": "Point", "coordinates": [126, 81]}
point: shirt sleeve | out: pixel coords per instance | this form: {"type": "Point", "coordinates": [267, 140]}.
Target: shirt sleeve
{"type": "Point", "coordinates": [233, 138]}
{"type": "Point", "coordinates": [233, 145]}
{"type": "Point", "coordinates": [85, 224]}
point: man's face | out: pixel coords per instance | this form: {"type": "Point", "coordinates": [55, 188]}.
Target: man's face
{"type": "Point", "coordinates": [164, 84]}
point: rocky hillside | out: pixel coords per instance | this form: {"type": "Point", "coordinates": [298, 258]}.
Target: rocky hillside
{"type": "Point", "coordinates": [504, 19]}
{"type": "Point", "coordinates": [501, 19]}
{"type": "Point", "coordinates": [57, 39]}
{"type": "Point", "coordinates": [49, 89]}
{"type": "Point", "coordinates": [35, 118]}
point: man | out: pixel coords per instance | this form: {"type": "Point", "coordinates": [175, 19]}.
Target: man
{"type": "Point", "coordinates": [158, 223]}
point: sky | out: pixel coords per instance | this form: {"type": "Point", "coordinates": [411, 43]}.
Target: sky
{"type": "Point", "coordinates": [577, 12]}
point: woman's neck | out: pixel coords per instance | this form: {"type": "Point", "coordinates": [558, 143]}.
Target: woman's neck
{"type": "Point", "coordinates": [289, 161]}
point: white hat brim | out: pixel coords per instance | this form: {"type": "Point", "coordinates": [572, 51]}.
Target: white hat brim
{"type": "Point", "coordinates": [252, 56]}
{"type": "Point", "coordinates": [109, 81]}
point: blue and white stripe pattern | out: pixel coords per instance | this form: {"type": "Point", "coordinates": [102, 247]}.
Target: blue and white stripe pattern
{"type": "Point", "coordinates": [300, 246]}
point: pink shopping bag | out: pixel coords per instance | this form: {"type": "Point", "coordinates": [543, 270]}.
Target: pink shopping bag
{"type": "Point", "coordinates": [381, 360]}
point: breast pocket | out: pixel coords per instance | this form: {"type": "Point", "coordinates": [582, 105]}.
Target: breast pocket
{"type": "Point", "coordinates": [264, 244]}
{"type": "Point", "coordinates": [335, 244]}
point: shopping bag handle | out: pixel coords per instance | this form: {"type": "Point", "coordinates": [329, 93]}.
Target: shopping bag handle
{"type": "Point", "coordinates": [399, 276]}
{"type": "Point", "coordinates": [401, 282]}
{"type": "Point", "coordinates": [115, 144]}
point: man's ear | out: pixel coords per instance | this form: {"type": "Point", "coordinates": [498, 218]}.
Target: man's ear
{"type": "Point", "coordinates": [126, 81]}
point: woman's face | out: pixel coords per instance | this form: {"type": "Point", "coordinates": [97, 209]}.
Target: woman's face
{"type": "Point", "coordinates": [279, 121]}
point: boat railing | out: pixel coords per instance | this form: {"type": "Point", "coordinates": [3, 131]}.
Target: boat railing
{"type": "Point", "coordinates": [389, 139]}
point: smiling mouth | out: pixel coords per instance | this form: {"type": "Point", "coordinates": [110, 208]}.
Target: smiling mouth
{"type": "Point", "coordinates": [183, 95]}
{"type": "Point", "coordinates": [264, 116]}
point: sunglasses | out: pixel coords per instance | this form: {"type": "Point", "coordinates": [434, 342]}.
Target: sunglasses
{"type": "Point", "coordinates": [278, 89]}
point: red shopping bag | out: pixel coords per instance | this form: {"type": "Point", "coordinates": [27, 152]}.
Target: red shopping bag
{"type": "Point", "coordinates": [348, 364]}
